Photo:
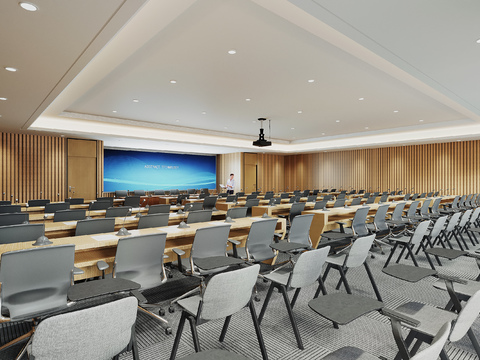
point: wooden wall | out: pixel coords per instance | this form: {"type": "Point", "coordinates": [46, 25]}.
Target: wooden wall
{"type": "Point", "coordinates": [271, 172]}
{"type": "Point", "coordinates": [228, 164]}
{"type": "Point", "coordinates": [418, 168]}
{"type": "Point", "coordinates": [32, 167]}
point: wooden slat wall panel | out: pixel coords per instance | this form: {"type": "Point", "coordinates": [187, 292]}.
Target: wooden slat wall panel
{"type": "Point", "coordinates": [99, 168]}
{"type": "Point", "coordinates": [271, 172]}
{"type": "Point", "coordinates": [32, 167]}
{"type": "Point", "coordinates": [417, 168]}
{"type": "Point", "coordinates": [227, 164]}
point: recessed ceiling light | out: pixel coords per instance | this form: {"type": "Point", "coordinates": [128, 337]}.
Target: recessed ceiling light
{"type": "Point", "coordinates": [366, 127]}
{"type": "Point", "coordinates": [292, 128]}
{"type": "Point", "coordinates": [459, 140]}
{"type": "Point", "coordinates": [323, 133]}
{"type": "Point", "coordinates": [421, 120]}
{"type": "Point", "coordinates": [248, 100]}
{"type": "Point", "coordinates": [11, 69]}
{"type": "Point", "coordinates": [136, 100]}
{"type": "Point", "coordinates": [361, 99]}
{"type": "Point", "coordinates": [28, 6]}
{"type": "Point", "coordinates": [114, 111]}
{"type": "Point", "coordinates": [3, 99]}
{"type": "Point", "coordinates": [299, 111]}
{"type": "Point", "coordinates": [204, 113]}
{"type": "Point", "coordinates": [225, 127]}
{"type": "Point", "coordinates": [395, 111]}
{"type": "Point", "coordinates": [232, 52]}
{"type": "Point", "coordinates": [311, 81]}
{"type": "Point", "coordinates": [0, 115]}
{"type": "Point", "coordinates": [478, 41]}
{"type": "Point", "coordinates": [173, 81]}
{"type": "Point", "coordinates": [178, 120]}
{"type": "Point", "coordinates": [254, 121]}
{"type": "Point", "coordinates": [337, 121]}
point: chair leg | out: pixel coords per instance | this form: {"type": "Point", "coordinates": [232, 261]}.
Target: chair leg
{"type": "Point", "coordinates": [340, 280]}
{"type": "Point", "coordinates": [256, 324]}
{"type": "Point", "coordinates": [372, 280]}
{"type": "Point", "coordinates": [283, 290]}
{"type": "Point", "coordinates": [391, 254]}
{"type": "Point", "coordinates": [193, 328]}
{"type": "Point", "coordinates": [474, 341]}
{"type": "Point", "coordinates": [178, 335]}
{"type": "Point", "coordinates": [265, 303]}
{"type": "Point", "coordinates": [344, 278]}
{"type": "Point", "coordinates": [135, 355]}
{"type": "Point", "coordinates": [401, 253]}
{"type": "Point", "coordinates": [295, 296]}
{"type": "Point", "coordinates": [409, 249]}
{"type": "Point", "coordinates": [321, 286]}
{"type": "Point", "coordinates": [225, 327]}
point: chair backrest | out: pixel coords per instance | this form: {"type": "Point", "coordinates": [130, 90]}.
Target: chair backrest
{"type": "Point", "coordinates": [268, 196]}
{"type": "Point", "coordinates": [222, 195]}
{"type": "Point", "coordinates": [159, 209]}
{"type": "Point", "coordinates": [306, 193]}
{"type": "Point", "coordinates": [8, 209]}
{"type": "Point", "coordinates": [20, 233]}
{"type": "Point", "coordinates": [455, 202]}
{"type": "Point", "coordinates": [140, 259]}
{"type": "Point", "coordinates": [53, 207]}
{"type": "Point", "coordinates": [75, 201]}
{"type": "Point", "coordinates": [311, 198]}
{"type": "Point", "coordinates": [300, 229]}
{"type": "Point", "coordinates": [435, 348]}
{"type": "Point", "coordinates": [231, 198]}
{"type": "Point", "coordinates": [210, 241]}
{"type": "Point", "coordinates": [356, 201]}
{"type": "Point", "coordinates": [438, 226]}
{"type": "Point", "coordinates": [191, 191]}
{"type": "Point", "coordinates": [453, 221]}
{"type": "Point", "coordinates": [359, 222]}
{"type": "Point", "coordinates": [370, 200]}
{"type": "Point", "coordinates": [199, 216]}
{"type": "Point", "coordinates": [159, 192]}
{"type": "Point", "coordinates": [412, 209]}
{"type": "Point", "coordinates": [294, 199]}
{"type": "Point", "coordinates": [296, 210]}
{"type": "Point", "coordinates": [95, 226]}
{"type": "Point", "coordinates": [119, 211]}
{"type": "Point", "coordinates": [407, 197]}
{"type": "Point", "coordinates": [14, 218]}
{"type": "Point", "coordinates": [308, 267]}
{"type": "Point", "coordinates": [366, 195]}
{"type": "Point", "coordinates": [475, 215]}
{"type": "Point", "coordinates": [384, 198]}
{"type": "Point", "coordinates": [380, 217]}
{"type": "Point", "coordinates": [180, 198]}
{"type": "Point", "coordinates": [202, 196]}
{"type": "Point", "coordinates": [153, 221]}
{"type": "Point", "coordinates": [465, 217]}
{"type": "Point", "coordinates": [466, 317]}
{"type": "Point", "coordinates": [237, 213]}
{"type": "Point", "coordinates": [228, 293]}
{"type": "Point", "coordinates": [430, 194]}
{"type": "Point", "coordinates": [106, 198]}
{"type": "Point", "coordinates": [139, 192]}
{"type": "Point", "coordinates": [333, 190]}
{"type": "Point", "coordinates": [341, 196]}
{"type": "Point", "coordinates": [339, 203]}
{"type": "Point", "coordinates": [319, 205]}
{"type": "Point", "coordinates": [419, 232]}
{"type": "Point", "coordinates": [209, 202]}
{"type": "Point", "coordinates": [284, 195]}
{"type": "Point", "coordinates": [422, 195]}
{"type": "Point", "coordinates": [121, 193]}
{"type": "Point", "coordinates": [5, 202]}
{"type": "Point", "coordinates": [251, 203]}
{"type": "Point", "coordinates": [174, 192]}
{"type": "Point", "coordinates": [205, 191]}
{"type": "Point", "coordinates": [398, 211]}
{"type": "Point", "coordinates": [69, 215]}
{"type": "Point", "coordinates": [193, 206]}
{"type": "Point", "coordinates": [100, 205]}
{"type": "Point", "coordinates": [240, 193]}
{"type": "Point", "coordinates": [132, 201]}
{"type": "Point", "coordinates": [461, 202]}
{"type": "Point", "coordinates": [359, 251]}
{"type": "Point", "coordinates": [361, 191]}
{"type": "Point", "coordinates": [252, 196]}
{"type": "Point", "coordinates": [259, 239]}
{"type": "Point", "coordinates": [114, 319]}
{"type": "Point", "coordinates": [435, 206]}
{"type": "Point", "coordinates": [274, 201]}
{"type": "Point", "coordinates": [315, 191]}
{"type": "Point", "coordinates": [415, 196]}
{"type": "Point", "coordinates": [424, 207]}
{"type": "Point", "coordinates": [36, 280]}
{"type": "Point", "coordinates": [38, 202]}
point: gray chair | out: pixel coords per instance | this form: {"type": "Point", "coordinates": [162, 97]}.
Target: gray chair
{"type": "Point", "coordinates": [284, 196]}
{"type": "Point", "coordinates": [174, 192]}
{"type": "Point", "coordinates": [268, 196]}
{"type": "Point", "coordinates": [257, 247]}
{"type": "Point", "coordinates": [121, 193]}
{"type": "Point", "coordinates": [306, 272]}
{"type": "Point", "coordinates": [20, 233]}
{"type": "Point", "coordinates": [194, 206]}
{"type": "Point", "coordinates": [397, 223]}
{"type": "Point", "coordinates": [358, 227]}
{"type": "Point", "coordinates": [181, 198]}
{"type": "Point", "coordinates": [300, 230]}
{"type": "Point", "coordinates": [159, 209]}
{"type": "Point", "coordinates": [119, 211]}
{"type": "Point", "coordinates": [355, 257]}
{"type": "Point", "coordinates": [199, 216]}
{"type": "Point", "coordinates": [95, 226]}
{"type": "Point", "coordinates": [295, 210]}
{"type": "Point", "coordinates": [225, 295]}
{"type": "Point", "coordinates": [140, 259]}
{"type": "Point", "coordinates": [100, 205]}
{"type": "Point", "coordinates": [275, 201]}
{"type": "Point", "coordinates": [237, 213]}
{"type": "Point", "coordinates": [14, 218]}
{"type": "Point", "coordinates": [339, 203]}
{"type": "Point", "coordinates": [320, 205]}
{"type": "Point", "coordinates": [209, 203]}
{"type": "Point", "coordinates": [53, 207]}
{"type": "Point", "coordinates": [251, 203]}
{"type": "Point", "coordinates": [370, 200]}
{"type": "Point", "coordinates": [380, 226]}
{"type": "Point", "coordinates": [75, 201]}
{"type": "Point", "coordinates": [132, 201]}
{"type": "Point", "coordinates": [110, 199]}
{"type": "Point", "coordinates": [312, 198]}
{"type": "Point", "coordinates": [139, 192]}
{"type": "Point", "coordinates": [356, 201]}
{"type": "Point", "coordinates": [38, 202]}
{"type": "Point", "coordinates": [384, 198]}
{"type": "Point", "coordinates": [69, 215]}
{"type": "Point", "coordinates": [252, 196]}
{"type": "Point", "coordinates": [8, 209]}
{"type": "Point", "coordinates": [191, 191]}
{"type": "Point", "coordinates": [159, 192]}
{"type": "Point", "coordinates": [231, 198]}
{"type": "Point", "coordinates": [90, 325]}
{"type": "Point", "coordinates": [153, 221]}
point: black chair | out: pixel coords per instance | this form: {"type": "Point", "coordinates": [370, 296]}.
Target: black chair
{"type": "Point", "coordinates": [5, 202]}
{"type": "Point", "coordinates": [356, 201]}
{"type": "Point", "coordinates": [268, 196]}
{"type": "Point", "coordinates": [153, 221]}
{"type": "Point", "coordinates": [194, 206]}
{"type": "Point", "coordinates": [199, 216]}
{"type": "Point", "coordinates": [159, 209]}
{"type": "Point", "coordinates": [311, 198]}
{"type": "Point", "coordinates": [120, 211]}
{"type": "Point", "coordinates": [295, 210]}
{"type": "Point", "coordinates": [174, 192]}
{"type": "Point", "coordinates": [14, 218]}
{"type": "Point", "coordinates": [38, 202]}
{"type": "Point", "coordinates": [231, 198]}
{"type": "Point", "coordinates": [139, 192]}
{"type": "Point", "coordinates": [95, 226]}
{"type": "Point", "coordinates": [75, 201]}
{"type": "Point", "coordinates": [202, 195]}
{"type": "Point", "coordinates": [370, 200]}
{"type": "Point", "coordinates": [181, 198]}
{"type": "Point", "coordinates": [106, 198]}
{"type": "Point", "coordinates": [121, 193]}
{"type": "Point", "coordinates": [132, 201]}
{"type": "Point", "coordinates": [209, 203]}
{"type": "Point", "coordinates": [4, 209]}
{"type": "Point", "coordinates": [284, 196]}
{"type": "Point", "coordinates": [240, 193]}
{"type": "Point", "coordinates": [159, 192]}
{"type": "Point", "coordinates": [69, 215]}
{"type": "Point", "coordinates": [320, 205]}
{"type": "Point", "coordinates": [20, 233]}
{"type": "Point", "coordinates": [294, 199]}
{"type": "Point", "coordinates": [100, 205]}
{"type": "Point", "coordinates": [339, 203]}
{"type": "Point", "coordinates": [237, 212]}
{"type": "Point", "coordinates": [252, 196]}
{"type": "Point", "coordinates": [54, 207]}
{"type": "Point", "coordinates": [191, 191]}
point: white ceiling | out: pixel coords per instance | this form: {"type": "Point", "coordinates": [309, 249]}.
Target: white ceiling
{"type": "Point", "coordinates": [420, 59]}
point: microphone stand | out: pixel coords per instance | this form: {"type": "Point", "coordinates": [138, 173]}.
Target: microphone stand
{"type": "Point", "coordinates": [42, 240]}
{"type": "Point", "coordinates": [123, 231]}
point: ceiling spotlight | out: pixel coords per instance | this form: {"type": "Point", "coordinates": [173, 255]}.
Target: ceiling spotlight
{"type": "Point", "coordinates": [28, 6]}
{"type": "Point", "coordinates": [173, 81]}
{"type": "Point", "coordinates": [478, 41]}
{"type": "Point", "coordinates": [11, 69]}
{"type": "Point", "coordinates": [261, 137]}
{"type": "Point", "coordinates": [337, 121]}
{"type": "Point", "coordinates": [421, 120]}
{"type": "Point", "coordinates": [232, 52]}
{"type": "Point", "coordinates": [323, 133]}
{"type": "Point", "coordinates": [361, 99]}
{"type": "Point", "coordinates": [225, 127]}
{"type": "Point", "coordinates": [292, 128]}
{"type": "Point", "coordinates": [178, 120]}
{"type": "Point", "coordinates": [204, 113]}
{"type": "Point", "coordinates": [248, 100]}
{"type": "Point", "coordinates": [3, 98]}
{"type": "Point", "coordinates": [299, 111]}
{"type": "Point", "coordinates": [114, 111]}
{"type": "Point", "coordinates": [366, 127]}
{"type": "Point", "coordinates": [395, 111]}
{"type": "Point", "coordinates": [311, 81]}
{"type": "Point", "coordinates": [136, 100]}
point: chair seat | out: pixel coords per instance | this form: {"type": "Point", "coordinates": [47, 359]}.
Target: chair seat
{"type": "Point", "coordinates": [214, 355]}
{"type": "Point", "coordinates": [334, 235]}
{"type": "Point", "coordinates": [402, 239]}
{"type": "Point", "coordinates": [446, 253]}
{"type": "Point", "coordinates": [465, 290]}
{"type": "Point", "coordinates": [337, 259]}
{"type": "Point", "coordinates": [190, 304]}
{"type": "Point", "coordinates": [279, 276]}
{"type": "Point", "coordinates": [431, 318]}
{"type": "Point", "coordinates": [349, 353]}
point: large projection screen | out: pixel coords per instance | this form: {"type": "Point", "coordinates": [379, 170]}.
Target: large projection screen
{"type": "Point", "coordinates": [140, 170]}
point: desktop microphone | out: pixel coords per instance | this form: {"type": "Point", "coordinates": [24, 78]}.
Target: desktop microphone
{"type": "Point", "coordinates": [42, 240]}
{"type": "Point", "coordinates": [183, 224]}
{"type": "Point", "coordinates": [123, 231]}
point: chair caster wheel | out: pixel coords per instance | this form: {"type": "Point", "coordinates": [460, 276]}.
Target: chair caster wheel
{"type": "Point", "coordinates": [265, 280]}
{"type": "Point", "coordinates": [170, 275]}
{"type": "Point", "coordinates": [372, 256]}
{"type": "Point", "coordinates": [168, 331]}
{"type": "Point", "coordinates": [171, 309]}
{"type": "Point", "coordinates": [256, 298]}
{"type": "Point", "coordinates": [383, 252]}
{"type": "Point", "coordinates": [161, 312]}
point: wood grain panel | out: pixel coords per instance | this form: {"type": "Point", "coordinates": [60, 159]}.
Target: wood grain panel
{"type": "Point", "coordinates": [228, 164]}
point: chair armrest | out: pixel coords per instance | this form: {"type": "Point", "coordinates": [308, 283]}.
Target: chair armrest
{"type": "Point", "coordinates": [179, 253]}
{"type": "Point", "coordinates": [392, 314]}
{"type": "Point", "coordinates": [452, 278]}
{"type": "Point", "coordinates": [342, 224]}
{"type": "Point", "coordinates": [78, 271]}
{"type": "Point", "coordinates": [101, 265]}
{"type": "Point", "coordinates": [234, 243]}
{"type": "Point", "coordinates": [141, 299]}
{"type": "Point", "coordinates": [277, 237]}
{"type": "Point", "coordinates": [165, 256]}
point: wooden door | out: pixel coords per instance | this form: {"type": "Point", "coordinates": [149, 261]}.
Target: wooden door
{"type": "Point", "coordinates": [82, 169]}
{"type": "Point", "coordinates": [250, 172]}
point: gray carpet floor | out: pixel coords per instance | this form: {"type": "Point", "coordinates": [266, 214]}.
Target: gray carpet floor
{"type": "Point", "coordinates": [371, 333]}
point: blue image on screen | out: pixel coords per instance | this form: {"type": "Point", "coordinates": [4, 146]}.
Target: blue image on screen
{"type": "Point", "coordinates": [132, 170]}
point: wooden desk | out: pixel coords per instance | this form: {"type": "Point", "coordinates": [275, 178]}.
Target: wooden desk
{"type": "Point", "coordinates": [280, 209]}
{"type": "Point", "coordinates": [91, 248]}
